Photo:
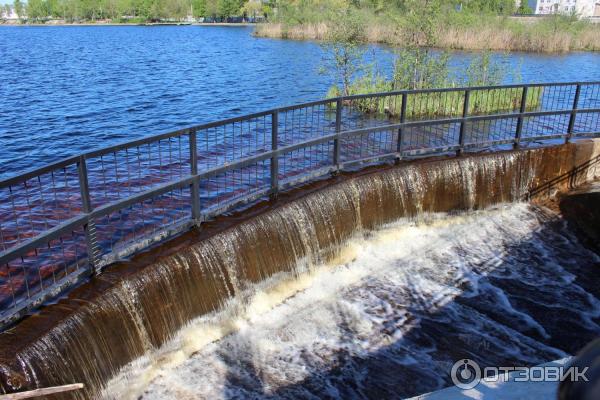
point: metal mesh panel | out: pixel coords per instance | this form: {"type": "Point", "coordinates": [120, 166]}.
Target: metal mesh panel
{"type": "Point", "coordinates": [545, 125]}
{"type": "Point", "coordinates": [552, 98]}
{"type": "Point", "coordinates": [496, 101]}
{"type": "Point", "coordinates": [125, 172]}
{"type": "Point", "coordinates": [589, 96]}
{"type": "Point", "coordinates": [224, 190]}
{"type": "Point", "coordinates": [304, 162]}
{"type": "Point", "coordinates": [433, 136]}
{"type": "Point", "coordinates": [369, 145]}
{"type": "Point", "coordinates": [480, 132]}
{"type": "Point", "coordinates": [587, 123]}
{"type": "Point", "coordinates": [25, 278]}
{"type": "Point", "coordinates": [436, 105]}
{"type": "Point", "coordinates": [297, 125]}
{"type": "Point", "coordinates": [233, 141]}
{"type": "Point", "coordinates": [371, 112]}
{"type": "Point", "coordinates": [35, 205]}
{"type": "Point", "coordinates": [144, 221]}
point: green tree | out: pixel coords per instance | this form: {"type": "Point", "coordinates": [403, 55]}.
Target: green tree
{"type": "Point", "coordinates": [416, 66]}
{"type": "Point", "coordinates": [344, 51]}
{"type": "Point", "coordinates": [199, 8]}
{"type": "Point", "coordinates": [176, 9]}
{"type": "Point", "coordinates": [496, 6]}
{"type": "Point", "coordinates": [36, 10]}
{"type": "Point", "coordinates": [229, 8]}
{"type": "Point", "coordinates": [252, 9]}
{"type": "Point", "coordinates": [53, 8]}
{"type": "Point", "coordinates": [212, 8]}
{"type": "Point", "coordinates": [483, 71]}
{"type": "Point", "coordinates": [524, 8]}
{"type": "Point", "coordinates": [19, 9]}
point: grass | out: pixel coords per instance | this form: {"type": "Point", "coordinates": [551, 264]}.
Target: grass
{"type": "Point", "coordinates": [465, 32]}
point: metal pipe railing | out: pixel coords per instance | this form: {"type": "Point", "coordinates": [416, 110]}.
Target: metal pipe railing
{"type": "Point", "coordinates": [75, 216]}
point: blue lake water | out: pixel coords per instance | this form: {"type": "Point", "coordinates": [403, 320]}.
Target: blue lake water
{"type": "Point", "coordinates": [64, 90]}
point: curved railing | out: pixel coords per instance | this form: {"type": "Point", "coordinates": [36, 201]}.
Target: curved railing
{"type": "Point", "coordinates": [65, 221]}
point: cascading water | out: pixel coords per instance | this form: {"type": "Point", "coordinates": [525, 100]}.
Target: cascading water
{"type": "Point", "coordinates": [119, 317]}
{"type": "Point", "coordinates": [389, 317]}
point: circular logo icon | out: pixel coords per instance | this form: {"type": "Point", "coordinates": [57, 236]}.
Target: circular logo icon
{"type": "Point", "coordinates": [466, 374]}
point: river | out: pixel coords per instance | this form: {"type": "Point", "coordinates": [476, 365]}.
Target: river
{"type": "Point", "coordinates": [65, 90]}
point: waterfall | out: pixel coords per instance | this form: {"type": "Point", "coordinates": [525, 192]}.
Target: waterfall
{"type": "Point", "coordinates": [117, 318]}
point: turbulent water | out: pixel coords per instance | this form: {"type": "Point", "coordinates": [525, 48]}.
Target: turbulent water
{"type": "Point", "coordinates": [387, 318]}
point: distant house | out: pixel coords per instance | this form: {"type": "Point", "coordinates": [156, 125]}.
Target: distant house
{"type": "Point", "coordinates": [582, 8]}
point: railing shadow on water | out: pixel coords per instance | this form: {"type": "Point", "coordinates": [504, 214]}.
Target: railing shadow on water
{"type": "Point", "coordinates": [64, 222]}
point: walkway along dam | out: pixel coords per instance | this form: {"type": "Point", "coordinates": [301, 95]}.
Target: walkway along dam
{"type": "Point", "coordinates": [120, 264]}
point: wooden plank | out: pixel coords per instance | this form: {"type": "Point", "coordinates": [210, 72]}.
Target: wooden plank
{"type": "Point", "coordinates": [41, 392]}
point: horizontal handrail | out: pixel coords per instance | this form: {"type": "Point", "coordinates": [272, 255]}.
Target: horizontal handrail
{"type": "Point", "coordinates": [464, 88]}
{"type": "Point", "coordinates": [262, 159]}
{"type": "Point", "coordinates": [138, 142]}
{"type": "Point", "coordinates": [162, 189]}
{"type": "Point", "coordinates": [39, 240]}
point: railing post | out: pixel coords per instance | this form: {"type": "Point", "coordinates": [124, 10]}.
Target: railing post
{"type": "Point", "coordinates": [89, 228]}
{"type": "Point", "coordinates": [461, 138]}
{"type": "Point", "coordinates": [402, 120]}
{"type": "Point", "coordinates": [522, 110]}
{"type": "Point", "coordinates": [195, 186]}
{"type": "Point", "coordinates": [275, 157]}
{"type": "Point", "coordinates": [573, 114]}
{"type": "Point", "coordinates": [338, 128]}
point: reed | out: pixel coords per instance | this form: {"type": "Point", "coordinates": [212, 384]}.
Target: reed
{"type": "Point", "coordinates": [443, 104]}
{"type": "Point", "coordinates": [491, 33]}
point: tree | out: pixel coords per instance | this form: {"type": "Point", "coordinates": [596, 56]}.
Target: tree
{"type": "Point", "coordinates": [212, 8]}
{"type": "Point", "coordinates": [19, 9]}
{"type": "Point", "coordinates": [524, 8]}
{"type": "Point", "coordinates": [483, 71]}
{"type": "Point", "coordinates": [415, 66]}
{"type": "Point", "coordinates": [36, 10]}
{"type": "Point", "coordinates": [53, 8]}
{"type": "Point", "coordinates": [199, 8]}
{"type": "Point", "coordinates": [176, 9]}
{"type": "Point", "coordinates": [344, 49]}
{"type": "Point", "coordinates": [252, 8]}
{"type": "Point", "coordinates": [229, 8]}
{"type": "Point", "coordinates": [496, 6]}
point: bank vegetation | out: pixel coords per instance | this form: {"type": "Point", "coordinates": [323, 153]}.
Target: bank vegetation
{"type": "Point", "coordinates": [417, 66]}
{"type": "Point", "coordinates": [477, 25]}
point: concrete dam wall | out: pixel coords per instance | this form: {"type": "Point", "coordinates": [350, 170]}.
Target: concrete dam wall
{"type": "Point", "coordinates": [136, 307]}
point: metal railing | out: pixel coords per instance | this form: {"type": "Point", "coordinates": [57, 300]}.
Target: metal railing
{"type": "Point", "coordinates": [62, 223]}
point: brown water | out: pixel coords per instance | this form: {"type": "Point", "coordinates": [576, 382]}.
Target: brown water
{"type": "Point", "coordinates": [389, 317]}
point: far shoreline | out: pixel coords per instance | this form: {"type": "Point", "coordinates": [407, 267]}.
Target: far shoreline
{"type": "Point", "coordinates": [227, 24]}
{"type": "Point", "coordinates": [496, 36]}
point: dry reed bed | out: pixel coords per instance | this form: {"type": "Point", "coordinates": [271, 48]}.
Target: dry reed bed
{"type": "Point", "coordinates": [464, 38]}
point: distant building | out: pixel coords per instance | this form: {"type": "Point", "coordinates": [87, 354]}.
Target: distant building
{"type": "Point", "coordinates": [582, 8]}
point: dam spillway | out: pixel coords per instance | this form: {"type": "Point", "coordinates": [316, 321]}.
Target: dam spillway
{"type": "Point", "coordinates": [249, 206]}
{"type": "Point", "coordinates": [389, 317]}
{"type": "Point", "coordinates": [136, 311]}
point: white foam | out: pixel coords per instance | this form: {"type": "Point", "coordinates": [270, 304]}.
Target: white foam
{"type": "Point", "coordinates": [373, 295]}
